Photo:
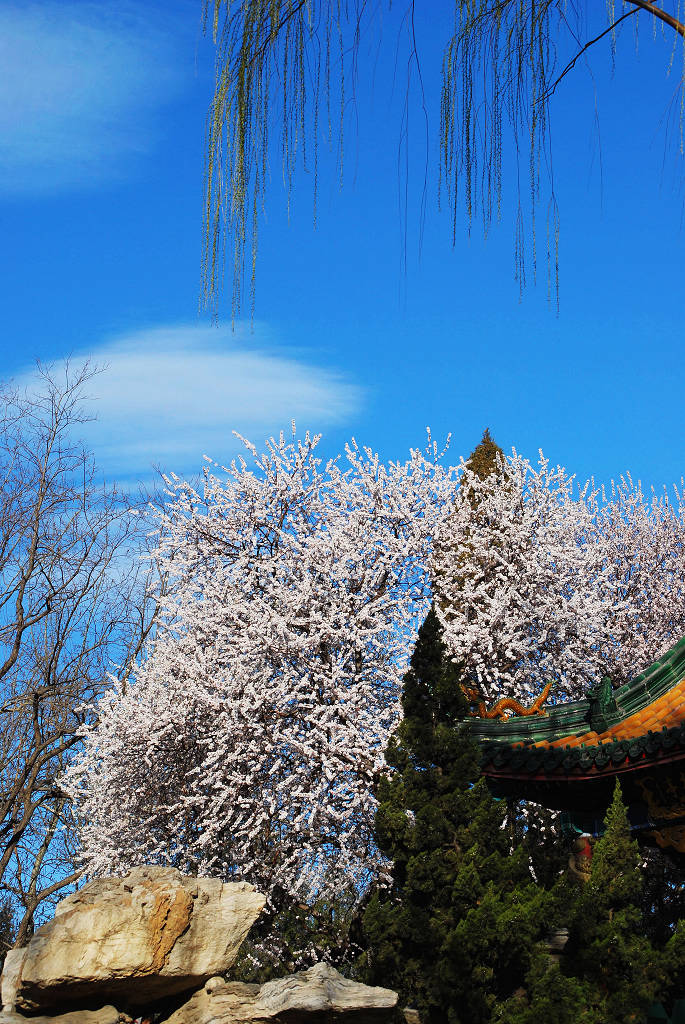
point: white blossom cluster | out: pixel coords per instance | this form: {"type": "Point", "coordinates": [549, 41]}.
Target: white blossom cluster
{"type": "Point", "coordinates": [249, 743]}
{"type": "Point", "coordinates": [644, 545]}
{"type": "Point", "coordinates": [540, 581]}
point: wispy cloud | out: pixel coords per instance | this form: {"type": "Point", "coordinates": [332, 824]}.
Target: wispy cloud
{"type": "Point", "coordinates": [169, 395]}
{"type": "Point", "coordinates": [80, 84]}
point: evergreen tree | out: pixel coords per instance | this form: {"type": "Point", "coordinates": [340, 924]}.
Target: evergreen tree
{"type": "Point", "coordinates": [663, 899]}
{"type": "Point", "coordinates": [455, 931]}
{"type": "Point", "coordinates": [609, 948]}
{"type": "Point", "coordinates": [610, 972]}
{"type": "Point", "coordinates": [486, 458]}
{"type": "Point", "coordinates": [291, 935]}
{"type": "Point", "coordinates": [539, 830]}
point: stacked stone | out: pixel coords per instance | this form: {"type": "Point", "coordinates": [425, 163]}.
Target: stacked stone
{"type": "Point", "coordinates": [158, 944]}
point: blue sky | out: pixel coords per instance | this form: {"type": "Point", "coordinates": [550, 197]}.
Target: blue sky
{"type": "Point", "coordinates": [102, 116]}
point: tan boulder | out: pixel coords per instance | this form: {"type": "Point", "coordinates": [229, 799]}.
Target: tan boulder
{"type": "Point", "coordinates": [11, 972]}
{"type": "Point", "coordinates": [136, 939]}
{"type": "Point", "coordinates": [318, 994]}
{"type": "Point", "coordinates": [107, 1015]}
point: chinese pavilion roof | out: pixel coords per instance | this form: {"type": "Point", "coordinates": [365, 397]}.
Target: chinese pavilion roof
{"type": "Point", "coordinates": [569, 758]}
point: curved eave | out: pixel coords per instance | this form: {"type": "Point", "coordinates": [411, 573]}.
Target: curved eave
{"type": "Point", "coordinates": [648, 689]}
{"type": "Point", "coordinates": [651, 779]}
{"type": "Point", "coordinates": [578, 773]}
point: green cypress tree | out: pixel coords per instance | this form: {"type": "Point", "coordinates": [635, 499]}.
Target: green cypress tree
{"type": "Point", "coordinates": [486, 457]}
{"type": "Point", "coordinates": [663, 899]}
{"type": "Point", "coordinates": [610, 972]}
{"type": "Point", "coordinates": [609, 947]}
{"type": "Point", "coordinates": [456, 930]}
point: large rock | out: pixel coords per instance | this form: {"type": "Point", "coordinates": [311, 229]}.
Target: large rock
{"type": "Point", "coordinates": [11, 972]}
{"type": "Point", "coordinates": [133, 940]}
{"type": "Point", "coordinates": [318, 996]}
{"type": "Point", "coordinates": [106, 1015]}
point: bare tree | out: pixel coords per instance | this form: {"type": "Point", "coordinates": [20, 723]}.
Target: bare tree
{"type": "Point", "coordinates": [75, 607]}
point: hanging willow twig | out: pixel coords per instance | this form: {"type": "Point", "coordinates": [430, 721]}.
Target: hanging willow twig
{"type": "Point", "coordinates": [499, 71]}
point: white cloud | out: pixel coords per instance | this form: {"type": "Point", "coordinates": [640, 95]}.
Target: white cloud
{"type": "Point", "coordinates": [80, 81]}
{"type": "Point", "coordinates": [169, 395]}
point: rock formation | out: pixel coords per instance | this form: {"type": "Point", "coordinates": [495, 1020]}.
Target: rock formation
{"type": "Point", "coordinates": [105, 1015]}
{"type": "Point", "coordinates": [156, 942]}
{"type": "Point", "coordinates": [138, 938]}
{"type": "Point", "coordinates": [320, 993]}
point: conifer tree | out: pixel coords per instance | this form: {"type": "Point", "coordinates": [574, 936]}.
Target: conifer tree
{"type": "Point", "coordinates": [455, 930]}
{"type": "Point", "coordinates": [538, 827]}
{"type": "Point", "coordinates": [610, 972]}
{"type": "Point", "coordinates": [663, 898]}
{"type": "Point", "coordinates": [486, 458]}
{"type": "Point", "coordinates": [610, 949]}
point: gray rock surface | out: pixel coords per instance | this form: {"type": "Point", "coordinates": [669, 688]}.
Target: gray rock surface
{"type": "Point", "coordinates": [319, 994]}
{"type": "Point", "coordinates": [136, 939]}
{"type": "Point", "coordinates": [107, 1015]}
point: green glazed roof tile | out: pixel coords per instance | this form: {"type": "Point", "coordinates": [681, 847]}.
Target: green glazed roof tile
{"type": "Point", "coordinates": [574, 718]}
{"type": "Point", "coordinates": [568, 760]}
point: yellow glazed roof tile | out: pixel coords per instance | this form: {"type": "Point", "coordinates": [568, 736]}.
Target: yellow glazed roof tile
{"type": "Point", "coordinates": [666, 711]}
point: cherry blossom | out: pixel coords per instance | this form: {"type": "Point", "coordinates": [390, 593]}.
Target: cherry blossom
{"type": "Point", "coordinates": [539, 580]}
{"type": "Point", "coordinates": [249, 742]}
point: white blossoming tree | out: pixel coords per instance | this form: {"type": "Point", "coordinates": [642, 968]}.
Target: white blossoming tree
{"type": "Point", "coordinates": [249, 742]}
{"type": "Point", "coordinates": [522, 581]}
{"type": "Point", "coordinates": [540, 581]}
{"type": "Point", "coordinates": [644, 541]}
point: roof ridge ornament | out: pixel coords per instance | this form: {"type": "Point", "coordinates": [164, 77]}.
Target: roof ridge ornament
{"type": "Point", "coordinates": [504, 704]}
{"type": "Point", "coordinates": [603, 711]}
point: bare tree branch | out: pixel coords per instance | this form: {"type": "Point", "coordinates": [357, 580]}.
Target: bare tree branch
{"type": "Point", "coordinates": [75, 603]}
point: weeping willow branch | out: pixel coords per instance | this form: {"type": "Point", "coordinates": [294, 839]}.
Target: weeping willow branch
{"type": "Point", "coordinates": [572, 63]}
{"type": "Point", "coordinates": [282, 57]}
{"type": "Point", "coordinates": [678, 26]}
{"type": "Point", "coordinates": [662, 15]}
{"type": "Point", "coordinates": [270, 54]}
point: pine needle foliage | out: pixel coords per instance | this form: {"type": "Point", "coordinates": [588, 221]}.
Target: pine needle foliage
{"type": "Point", "coordinates": [663, 898]}
{"type": "Point", "coordinates": [609, 948]}
{"type": "Point", "coordinates": [486, 458]}
{"type": "Point", "coordinates": [610, 972]}
{"type": "Point", "coordinates": [292, 934]}
{"type": "Point", "coordinates": [456, 930]}
{"type": "Point", "coordinates": [290, 65]}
